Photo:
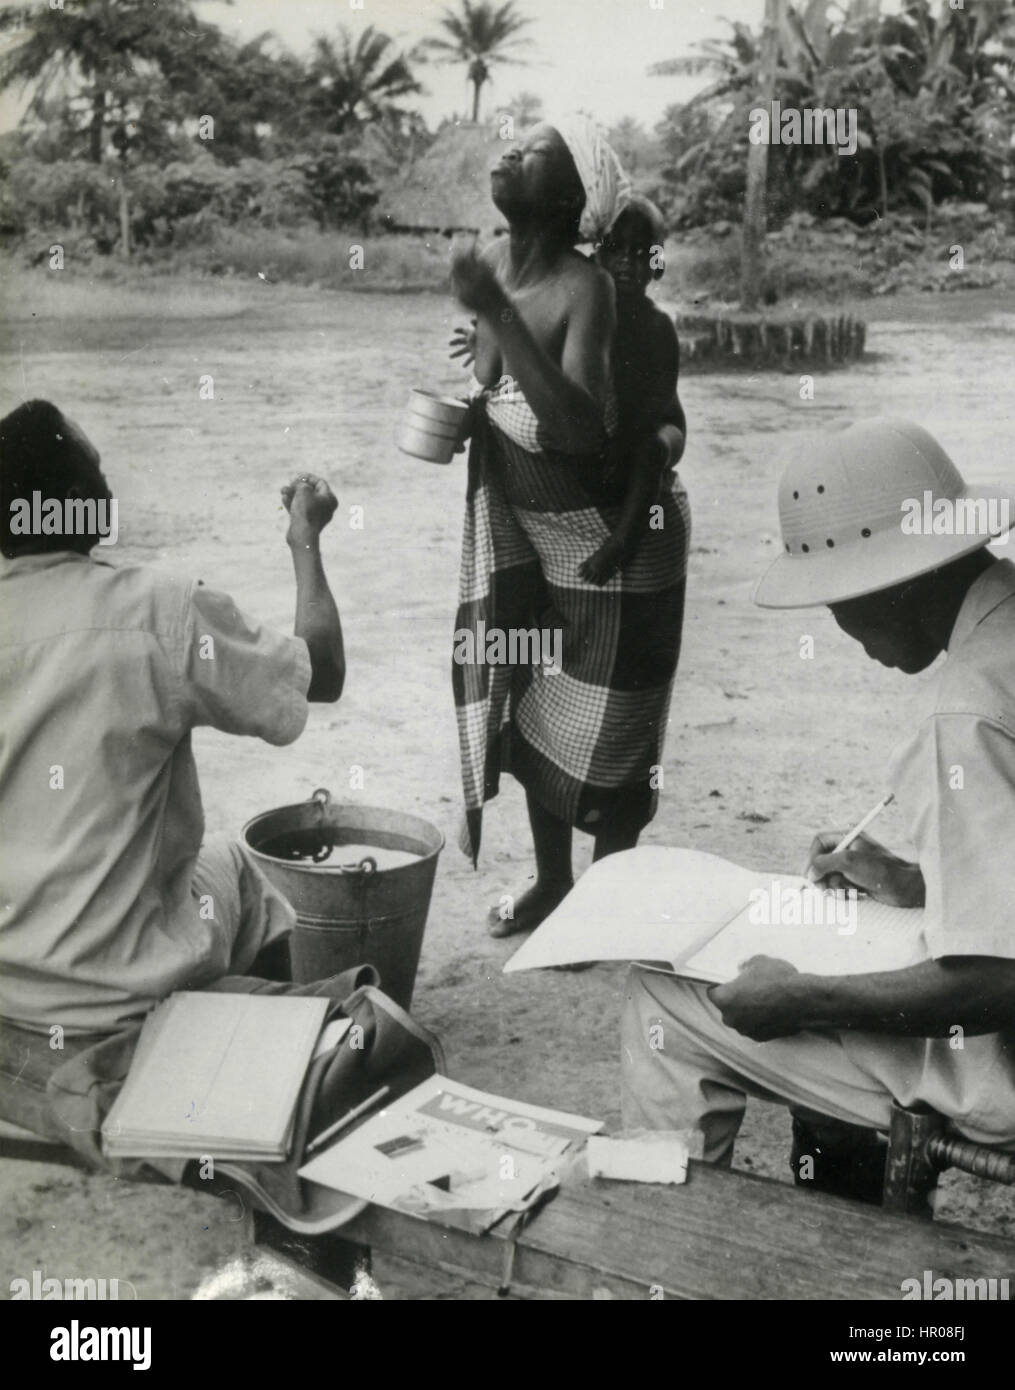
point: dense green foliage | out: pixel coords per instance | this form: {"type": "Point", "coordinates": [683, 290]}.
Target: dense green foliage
{"type": "Point", "coordinates": [934, 93]}
{"type": "Point", "coordinates": [147, 129]}
{"type": "Point", "coordinates": [148, 118]}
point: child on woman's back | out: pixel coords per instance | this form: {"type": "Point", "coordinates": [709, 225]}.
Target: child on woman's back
{"type": "Point", "coordinates": [646, 362]}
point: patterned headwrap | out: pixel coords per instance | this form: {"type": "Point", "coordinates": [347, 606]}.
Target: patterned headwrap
{"type": "Point", "coordinates": [607, 187]}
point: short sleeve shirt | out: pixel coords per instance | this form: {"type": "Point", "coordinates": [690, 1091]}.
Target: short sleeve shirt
{"type": "Point", "coordinates": [955, 779]}
{"type": "Point", "coordinates": [104, 672]}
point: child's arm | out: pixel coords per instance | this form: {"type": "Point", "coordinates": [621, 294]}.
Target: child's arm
{"type": "Point", "coordinates": [673, 432]}
{"type": "Point", "coordinates": [653, 438]}
{"type": "Point", "coordinates": [673, 439]}
{"type": "Point", "coordinates": [652, 404]}
{"type": "Point", "coordinates": [647, 376]}
{"type": "Point", "coordinates": [645, 469]}
{"type": "Point", "coordinates": [673, 427]}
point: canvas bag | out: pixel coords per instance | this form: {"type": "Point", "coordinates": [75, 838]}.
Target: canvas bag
{"type": "Point", "coordinates": [66, 1096]}
{"type": "Point", "coordinates": [395, 1052]}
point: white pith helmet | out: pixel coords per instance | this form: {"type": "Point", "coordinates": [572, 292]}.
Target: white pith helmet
{"type": "Point", "coordinates": [856, 507]}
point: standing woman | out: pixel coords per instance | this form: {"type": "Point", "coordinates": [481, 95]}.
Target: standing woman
{"type": "Point", "coordinates": [584, 738]}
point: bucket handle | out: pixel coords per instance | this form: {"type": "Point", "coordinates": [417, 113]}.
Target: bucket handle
{"type": "Point", "coordinates": [321, 799]}
{"type": "Point", "coordinates": [367, 865]}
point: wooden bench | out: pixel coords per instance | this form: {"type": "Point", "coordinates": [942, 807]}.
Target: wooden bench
{"type": "Point", "coordinates": [722, 1235]}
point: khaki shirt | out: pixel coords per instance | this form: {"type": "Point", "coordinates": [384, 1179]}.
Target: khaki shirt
{"type": "Point", "coordinates": [955, 782]}
{"type": "Point", "coordinates": [104, 671]}
{"type": "Point", "coordinates": [955, 779]}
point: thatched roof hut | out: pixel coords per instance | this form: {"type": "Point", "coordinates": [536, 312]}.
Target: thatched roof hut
{"type": "Point", "coordinates": [448, 188]}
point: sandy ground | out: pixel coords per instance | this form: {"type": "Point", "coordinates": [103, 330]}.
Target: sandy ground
{"type": "Point", "coordinates": [764, 747]}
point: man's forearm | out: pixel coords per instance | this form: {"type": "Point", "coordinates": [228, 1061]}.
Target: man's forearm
{"type": "Point", "coordinates": [318, 623]}
{"type": "Point", "coordinates": [924, 1001]}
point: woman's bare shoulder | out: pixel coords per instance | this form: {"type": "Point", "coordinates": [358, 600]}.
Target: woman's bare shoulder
{"type": "Point", "coordinates": [585, 268]}
{"type": "Point", "coordinates": [582, 276]}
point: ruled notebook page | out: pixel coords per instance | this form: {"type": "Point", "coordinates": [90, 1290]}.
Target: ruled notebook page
{"type": "Point", "coordinates": [818, 931]}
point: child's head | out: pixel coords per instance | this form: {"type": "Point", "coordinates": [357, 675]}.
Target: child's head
{"type": "Point", "coordinates": [631, 251]}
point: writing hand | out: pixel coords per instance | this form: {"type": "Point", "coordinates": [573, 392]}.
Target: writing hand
{"type": "Point", "coordinates": [867, 865]}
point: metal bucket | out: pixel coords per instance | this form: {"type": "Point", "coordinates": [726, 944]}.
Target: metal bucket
{"type": "Point", "coordinates": [350, 914]}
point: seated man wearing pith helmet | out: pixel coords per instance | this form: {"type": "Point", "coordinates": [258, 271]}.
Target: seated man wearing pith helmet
{"type": "Point", "coordinates": [847, 1047]}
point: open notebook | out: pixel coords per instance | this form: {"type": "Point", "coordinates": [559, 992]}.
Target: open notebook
{"type": "Point", "coordinates": [217, 1074]}
{"type": "Point", "coordinates": [702, 916]}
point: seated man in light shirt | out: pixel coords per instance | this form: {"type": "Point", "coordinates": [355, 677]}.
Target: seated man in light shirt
{"type": "Point", "coordinates": [876, 524]}
{"type": "Point", "coordinates": [108, 899]}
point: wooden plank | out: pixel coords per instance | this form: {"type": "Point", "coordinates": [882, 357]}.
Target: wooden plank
{"type": "Point", "coordinates": [481, 1258]}
{"type": "Point", "coordinates": [729, 1235]}
{"type": "Point", "coordinates": [399, 1279]}
{"type": "Point", "coordinates": [723, 1235]}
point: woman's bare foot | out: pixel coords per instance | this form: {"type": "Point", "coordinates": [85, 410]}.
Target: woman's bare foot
{"type": "Point", "coordinates": [530, 909]}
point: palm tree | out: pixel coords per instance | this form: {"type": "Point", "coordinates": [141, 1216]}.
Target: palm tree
{"type": "Point", "coordinates": [99, 49]}
{"type": "Point", "coordinates": [730, 63]}
{"type": "Point", "coordinates": [745, 65]}
{"type": "Point", "coordinates": [357, 81]}
{"type": "Point", "coordinates": [807, 43]}
{"type": "Point", "coordinates": [480, 35]}
{"type": "Point", "coordinates": [755, 199]}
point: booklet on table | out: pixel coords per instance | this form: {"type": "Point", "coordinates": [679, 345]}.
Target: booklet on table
{"type": "Point", "coordinates": [452, 1154]}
